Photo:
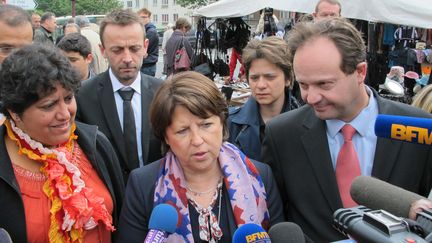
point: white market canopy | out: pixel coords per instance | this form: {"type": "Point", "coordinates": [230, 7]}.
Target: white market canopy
{"type": "Point", "coordinates": [416, 13]}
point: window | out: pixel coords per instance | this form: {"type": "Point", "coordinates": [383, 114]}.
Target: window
{"type": "Point", "coordinates": [155, 18]}
{"type": "Point", "coordinates": [129, 4]}
{"type": "Point", "coordinates": [164, 4]}
{"type": "Point", "coordinates": [174, 2]}
{"type": "Point", "coordinates": [155, 3]}
{"type": "Point", "coordinates": [165, 19]}
{"type": "Point", "coordinates": [175, 17]}
{"type": "Point", "coordinates": [137, 3]}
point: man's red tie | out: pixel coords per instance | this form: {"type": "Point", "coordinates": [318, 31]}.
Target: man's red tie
{"type": "Point", "coordinates": [347, 166]}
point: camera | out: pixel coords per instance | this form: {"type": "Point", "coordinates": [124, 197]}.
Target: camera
{"type": "Point", "coordinates": [367, 225]}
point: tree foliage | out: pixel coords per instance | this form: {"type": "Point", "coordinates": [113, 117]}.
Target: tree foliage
{"type": "Point", "coordinates": [82, 7]}
{"type": "Point", "coordinates": [192, 3]}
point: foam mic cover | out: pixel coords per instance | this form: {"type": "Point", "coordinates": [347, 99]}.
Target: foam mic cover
{"type": "Point", "coordinates": [251, 233]}
{"type": "Point", "coordinates": [404, 128]}
{"type": "Point", "coordinates": [163, 221]}
{"type": "Point", "coordinates": [377, 194]}
{"type": "Point", "coordinates": [286, 232]}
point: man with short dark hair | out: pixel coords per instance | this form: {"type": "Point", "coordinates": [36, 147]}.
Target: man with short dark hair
{"type": "Point", "coordinates": [16, 29]}
{"type": "Point", "coordinates": [16, 32]}
{"type": "Point", "coordinates": [149, 63]}
{"type": "Point", "coordinates": [120, 97]}
{"type": "Point", "coordinates": [327, 9]}
{"type": "Point", "coordinates": [45, 33]}
{"type": "Point", "coordinates": [78, 49]}
{"type": "Point", "coordinates": [36, 20]}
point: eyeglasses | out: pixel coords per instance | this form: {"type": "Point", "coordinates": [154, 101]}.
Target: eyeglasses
{"type": "Point", "coordinates": [7, 50]}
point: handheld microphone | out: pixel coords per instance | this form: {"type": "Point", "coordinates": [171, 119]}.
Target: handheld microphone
{"type": "Point", "coordinates": [377, 194]}
{"type": "Point", "coordinates": [163, 221]}
{"type": "Point", "coordinates": [286, 232]}
{"type": "Point", "coordinates": [251, 233]}
{"type": "Point", "coordinates": [404, 128]}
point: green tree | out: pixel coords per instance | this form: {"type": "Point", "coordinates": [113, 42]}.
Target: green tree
{"type": "Point", "coordinates": [82, 7]}
{"type": "Point", "coordinates": [192, 3]}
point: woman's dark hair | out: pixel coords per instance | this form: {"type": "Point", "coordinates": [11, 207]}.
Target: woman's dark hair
{"type": "Point", "coordinates": [32, 73]}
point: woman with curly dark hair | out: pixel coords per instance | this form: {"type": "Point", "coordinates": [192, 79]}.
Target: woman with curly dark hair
{"type": "Point", "coordinates": [60, 180]}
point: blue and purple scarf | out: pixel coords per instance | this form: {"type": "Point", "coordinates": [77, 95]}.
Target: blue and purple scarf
{"type": "Point", "coordinates": [245, 188]}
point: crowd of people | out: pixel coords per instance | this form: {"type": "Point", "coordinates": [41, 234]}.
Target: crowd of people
{"type": "Point", "coordinates": [92, 141]}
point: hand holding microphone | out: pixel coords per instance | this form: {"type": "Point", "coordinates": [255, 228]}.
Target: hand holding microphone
{"type": "Point", "coordinates": [419, 206]}
{"type": "Point", "coordinates": [377, 194]}
{"type": "Point", "coordinates": [383, 218]}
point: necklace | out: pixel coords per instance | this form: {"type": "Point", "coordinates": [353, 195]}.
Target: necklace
{"type": "Point", "coordinates": [199, 194]}
{"type": "Point", "coordinates": [209, 229]}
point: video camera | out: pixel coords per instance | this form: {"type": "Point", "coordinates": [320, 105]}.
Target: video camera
{"type": "Point", "coordinates": [268, 11]}
{"type": "Point", "coordinates": [367, 225]}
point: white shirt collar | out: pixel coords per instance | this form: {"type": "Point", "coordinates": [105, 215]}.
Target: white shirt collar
{"type": "Point", "coordinates": [136, 84]}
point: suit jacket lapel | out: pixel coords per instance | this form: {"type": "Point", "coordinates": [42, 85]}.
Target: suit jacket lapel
{"type": "Point", "coordinates": [146, 99]}
{"type": "Point", "coordinates": [107, 101]}
{"type": "Point", "coordinates": [316, 146]}
{"type": "Point", "coordinates": [384, 160]}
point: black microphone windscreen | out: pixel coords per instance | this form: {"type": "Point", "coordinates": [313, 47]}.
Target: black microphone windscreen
{"type": "Point", "coordinates": [377, 194]}
{"type": "Point", "coordinates": [286, 232]}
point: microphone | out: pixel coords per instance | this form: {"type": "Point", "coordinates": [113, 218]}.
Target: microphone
{"type": "Point", "coordinates": [163, 221]}
{"type": "Point", "coordinates": [377, 194]}
{"type": "Point", "coordinates": [404, 128]}
{"type": "Point", "coordinates": [251, 233]}
{"type": "Point", "coordinates": [286, 232]}
{"type": "Point", "coordinates": [4, 236]}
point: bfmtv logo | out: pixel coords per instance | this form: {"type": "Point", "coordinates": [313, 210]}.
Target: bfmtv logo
{"type": "Point", "coordinates": [259, 237]}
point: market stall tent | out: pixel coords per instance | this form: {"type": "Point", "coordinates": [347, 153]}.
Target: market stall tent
{"type": "Point", "coordinates": [416, 13]}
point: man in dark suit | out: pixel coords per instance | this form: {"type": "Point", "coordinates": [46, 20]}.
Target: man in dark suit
{"type": "Point", "coordinates": [100, 99]}
{"type": "Point", "coordinates": [303, 145]}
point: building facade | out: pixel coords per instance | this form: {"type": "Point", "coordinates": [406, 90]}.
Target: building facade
{"type": "Point", "coordinates": [163, 11]}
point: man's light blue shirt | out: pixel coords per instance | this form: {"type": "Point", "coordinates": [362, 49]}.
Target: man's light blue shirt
{"type": "Point", "coordinates": [136, 105]}
{"type": "Point", "coordinates": [364, 139]}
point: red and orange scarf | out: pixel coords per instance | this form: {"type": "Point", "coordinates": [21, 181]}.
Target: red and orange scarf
{"type": "Point", "coordinates": [74, 207]}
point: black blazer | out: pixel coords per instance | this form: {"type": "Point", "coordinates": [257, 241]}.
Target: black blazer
{"type": "Point", "coordinates": [297, 149]}
{"type": "Point", "coordinates": [96, 106]}
{"type": "Point", "coordinates": [138, 202]}
{"type": "Point", "coordinates": [99, 152]}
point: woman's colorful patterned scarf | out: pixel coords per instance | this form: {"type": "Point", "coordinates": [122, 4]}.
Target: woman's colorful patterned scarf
{"type": "Point", "coordinates": [245, 188]}
{"type": "Point", "coordinates": [74, 207]}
